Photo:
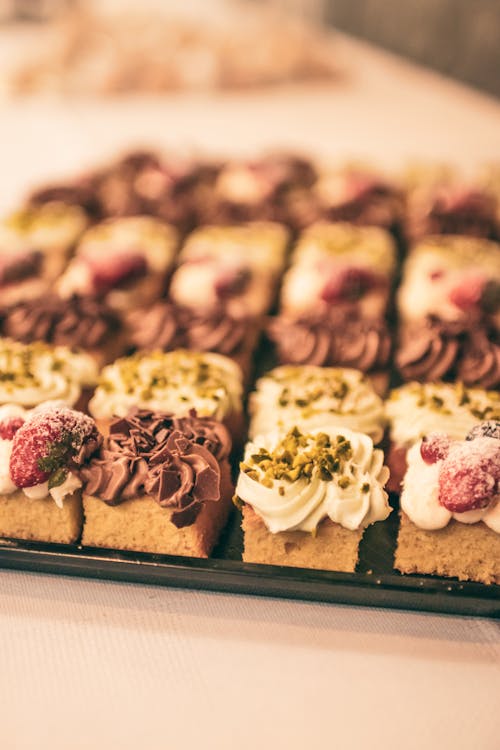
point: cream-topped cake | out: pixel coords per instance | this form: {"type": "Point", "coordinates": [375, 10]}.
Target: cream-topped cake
{"type": "Point", "coordinates": [311, 397]}
{"type": "Point", "coordinates": [35, 244]}
{"type": "Point", "coordinates": [453, 278]}
{"type": "Point", "coordinates": [174, 382]}
{"type": "Point", "coordinates": [33, 373]}
{"type": "Point", "coordinates": [308, 496]}
{"type": "Point", "coordinates": [340, 264]}
{"type": "Point", "coordinates": [126, 260]}
{"type": "Point", "coordinates": [41, 454]}
{"type": "Point", "coordinates": [450, 506]}
{"type": "Point", "coordinates": [416, 409]}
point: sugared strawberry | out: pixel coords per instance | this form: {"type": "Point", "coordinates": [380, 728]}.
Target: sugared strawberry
{"type": "Point", "coordinates": [348, 284]}
{"type": "Point", "coordinates": [468, 293]}
{"type": "Point", "coordinates": [116, 270]}
{"type": "Point", "coordinates": [9, 427]}
{"type": "Point", "coordinates": [470, 475]}
{"type": "Point", "coordinates": [490, 429]}
{"type": "Point", "coordinates": [434, 447]}
{"type": "Point", "coordinates": [232, 281]}
{"type": "Point", "coordinates": [47, 442]}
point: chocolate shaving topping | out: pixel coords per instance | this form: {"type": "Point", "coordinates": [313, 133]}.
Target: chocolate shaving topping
{"type": "Point", "coordinates": [176, 460]}
{"type": "Point", "coordinates": [76, 322]}
{"type": "Point", "coordinates": [18, 266]}
{"type": "Point", "coordinates": [331, 338]}
{"type": "Point", "coordinates": [437, 350]}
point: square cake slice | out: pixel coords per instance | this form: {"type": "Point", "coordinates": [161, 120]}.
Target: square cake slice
{"type": "Point", "coordinates": [306, 498]}
{"type": "Point", "coordinates": [161, 484]}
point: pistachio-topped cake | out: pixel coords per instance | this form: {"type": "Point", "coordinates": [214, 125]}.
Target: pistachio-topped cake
{"type": "Point", "coordinates": [308, 496]}
{"type": "Point", "coordinates": [33, 373]}
{"type": "Point", "coordinates": [174, 382]}
{"type": "Point", "coordinates": [310, 397]}
{"type": "Point", "coordinates": [416, 409]}
{"type": "Point", "coordinates": [340, 264]}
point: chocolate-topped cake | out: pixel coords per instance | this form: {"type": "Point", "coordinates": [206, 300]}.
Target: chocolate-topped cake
{"type": "Point", "coordinates": [160, 484]}
{"type": "Point", "coordinates": [167, 326]}
{"type": "Point", "coordinates": [84, 323]}
{"type": "Point", "coordinates": [433, 350]}
{"type": "Point", "coordinates": [334, 338]}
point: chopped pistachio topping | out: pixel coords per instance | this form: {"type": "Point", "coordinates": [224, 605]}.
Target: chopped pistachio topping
{"type": "Point", "coordinates": [300, 456]}
{"type": "Point", "coordinates": [443, 398]}
{"type": "Point", "coordinates": [20, 363]}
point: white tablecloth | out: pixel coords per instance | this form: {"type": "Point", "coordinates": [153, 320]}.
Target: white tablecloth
{"type": "Point", "coordinates": [86, 664]}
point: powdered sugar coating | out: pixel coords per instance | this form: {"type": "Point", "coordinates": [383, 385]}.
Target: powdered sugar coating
{"type": "Point", "coordinates": [470, 474]}
{"type": "Point", "coordinates": [435, 447]}
{"type": "Point", "coordinates": [37, 437]}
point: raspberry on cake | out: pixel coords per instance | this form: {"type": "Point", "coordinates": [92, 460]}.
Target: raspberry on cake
{"type": "Point", "coordinates": [455, 279]}
{"type": "Point", "coordinates": [173, 382]}
{"type": "Point", "coordinates": [334, 338]}
{"type": "Point", "coordinates": [125, 261]}
{"type": "Point", "coordinates": [450, 506]}
{"type": "Point", "coordinates": [358, 195]}
{"type": "Point", "coordinates": [160, 484]}
{"type": "Point", "coordinates": [234, 266]}
{"type": "Point", "coordinates": [310, 397]}
{"type": "Point", "coordinates": [42, 452]}
{"type": "Point", "coordinates": [417, 409]}
{"type": "Point", "coordinates": [307, 497]}
{"type": "Point", "coordinates": [35, 245]}
{"type": "Point", "coordinates": [84, 323]}
{"type": "Point", "coordinates": [33, 373]}
{"type": "Point", "coordinates": [340, 265]}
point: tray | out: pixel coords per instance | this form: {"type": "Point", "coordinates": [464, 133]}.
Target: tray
{"type": "Point", "coordinates": [374, 584]}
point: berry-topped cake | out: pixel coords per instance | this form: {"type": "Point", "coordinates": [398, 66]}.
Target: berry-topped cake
{"type": "Point", "coordinates": [338, 265]}
{"type": "Point", "coordinates": [35, 245]}
{"type": "Point", "coordinates": [455, 279]}
{"type": "Point", "coordinates": [416, 409]}
{"type": "Point", "coordinates": [42, 452]}
{"type": "Point", "coordinates": [307, 497]}
{"type": "Point", "coordinates": [234, 266]}
{"type": "Point", "coordinates": [173, 382]}
{"type": "Point", "coordinates": [309, 397]}
{"type": "Point", "coordinates": [125, 261]}
{"type": "Point", "coordinates": [450, 506]}
{"type": "Point", "coordinates": [33, 373]}
{"type": "Point", "coordinates": [160, 484]}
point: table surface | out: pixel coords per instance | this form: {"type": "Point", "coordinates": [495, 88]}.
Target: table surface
{"type": "Point", "coordinates": [88, 664]}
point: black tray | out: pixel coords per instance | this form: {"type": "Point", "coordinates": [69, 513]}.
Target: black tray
{"type": "Point", "coordinates": [374, 584]}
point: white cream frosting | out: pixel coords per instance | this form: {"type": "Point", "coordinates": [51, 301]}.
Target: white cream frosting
{"type": "Point", "coordinates": [173, 382]}
{"type": "Point", "coordinates": [51, 227]}
{"type": "Point", "coordinates": [326, 396]}
{"type": "Point", "coordinates": [302, 504]}
{"type": "Point", "coordinates": [262, 245]}
{"type": "Point", "coordinates": [37, 491]}
{"type": "Point", "coordinates": [156, 240]}
{"type": "Point", "coordinates": [37, 372]}
{"type": "Point", "coordinates": [193, 285]}
{"type": "Point", "coordinates": [369, 246]}
{"type": "Point", "coordinates": [439, 264]}
{"type": "Point", "coordinates": [413, 411]}
{"type": "Point", "coordinates": [420, 498]}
